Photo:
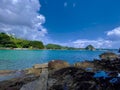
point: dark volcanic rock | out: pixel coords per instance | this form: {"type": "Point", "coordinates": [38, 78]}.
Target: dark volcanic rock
{"type": "Point", "coordinates": [17, 83]}
{"type": "Point", "coordinates": [109, 65]}
{"type": "Point", "coordinates": [24, 77]}
{"type": "Point", "coordinates": [104, 76]}
{"type": "Point", "coordinates": [71, 78]}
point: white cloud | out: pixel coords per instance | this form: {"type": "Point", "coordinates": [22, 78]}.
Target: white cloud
{"type": "Point", "coordinates": [82, 43]}
{"type": "Point", "coordinates": [21, 17]}
{"type": "Point", "coordinates": [100, 43]}
{"type": "Point", "coordinates": [114, 34]}
{"type": "Point", "coordinates": [112, 40]}
{"type": "Point", "coordinates": [65, 4]}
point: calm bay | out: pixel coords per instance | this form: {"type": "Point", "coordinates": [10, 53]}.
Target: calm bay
{"type": "Point", "coordinates": [21, 59]}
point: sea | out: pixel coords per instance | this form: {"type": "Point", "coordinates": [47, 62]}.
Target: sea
{"type": "Point", "coordinates": [21, 59]}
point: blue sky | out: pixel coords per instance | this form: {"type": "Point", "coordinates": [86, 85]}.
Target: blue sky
{"type": "Point", "coordinates": [70, 20]}
{"type": "Point", "coordinates": [76, 23]}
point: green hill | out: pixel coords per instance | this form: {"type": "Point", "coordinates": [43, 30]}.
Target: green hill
{"type": "Point", "coordinates": [90, 47]}
{"type": "Point", "coordinates": [56, 46]}
{"type": "Point", "coordinates": [8, 41]}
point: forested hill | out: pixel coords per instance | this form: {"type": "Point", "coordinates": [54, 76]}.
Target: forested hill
{"type": "Point", "coordinates": [8, 41]}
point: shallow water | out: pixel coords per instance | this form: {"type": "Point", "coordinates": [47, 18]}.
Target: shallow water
{"type": "Point", "coordinates": [10, 76]}
{"type": "Point", "coordinates": [20, 59]}
{"type": "Point", "coordinates": [101, 74]}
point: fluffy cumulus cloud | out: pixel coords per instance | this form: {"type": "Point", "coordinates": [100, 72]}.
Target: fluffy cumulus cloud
{"type": "Point", "coordinates": [114, 34]}
{"type": "Point", "coordinates": [21, 18]}
{"type": "Point", "coordinates": [112, 40]}
{"type": "Point", "coordinates": [100, 43]}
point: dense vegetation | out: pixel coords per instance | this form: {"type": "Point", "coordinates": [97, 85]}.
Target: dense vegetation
{"type": "Point", "coordinates": [8, 41]}
{"type": "Point", "coordinates": [90, 47]}
{"type": "Point", "coordinates": [55, 46]}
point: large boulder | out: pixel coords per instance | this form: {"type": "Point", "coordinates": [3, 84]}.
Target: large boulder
{"type": "Point", "coordinates": [84, 65]}
{"type": "Point", "coordinates": [39, 84]}
{"type": "Point", "coordinates": [36, 69]}
{"type": "Point", "coordinates": [40, 66]}
{"type": "Point", "coordinates": [57, 64]}
{"type": "Point", "coordinates": [33, 71]}
{"type": "Point", "coordinates": [108, 56]}
{"type": "Point", "coordinates": [71, 78]}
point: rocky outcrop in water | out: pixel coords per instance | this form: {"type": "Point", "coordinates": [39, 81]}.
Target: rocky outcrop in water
{"type": "Point", "coordinates": [23, 77]}
{"type": "Point", "coordinates": [16, 83]}
{"type": "Point", "coordinates": [108, 56]}
{"type": "Point", "coordinates": [105, 75]}
{"type": "Point", "coordinates": [107, 65]}
{"type": "Point", "coordinates": [75, 78]}
{"type": "Point", "coordinates": [39, 84]}
{"type": "Point", "coordinates": [68, 79]}
{"type": "Point", "coordinates": [101, 74]}
{"type": "Point", "coordinates": [90, 47]}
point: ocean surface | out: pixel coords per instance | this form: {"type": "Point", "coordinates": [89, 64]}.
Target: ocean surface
{"type": "Point", "coordinates": [20, 59]}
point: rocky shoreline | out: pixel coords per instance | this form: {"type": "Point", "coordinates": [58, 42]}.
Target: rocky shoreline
{"type": "Point", "coordinates": [103, 74]}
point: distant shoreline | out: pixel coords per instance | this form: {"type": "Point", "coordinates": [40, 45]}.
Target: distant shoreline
{"type": "Point", "coordinates": [53, 49]}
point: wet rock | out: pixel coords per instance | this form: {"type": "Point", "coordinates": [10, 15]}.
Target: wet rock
{"type": "Point", "coordinates": [16, 83]}
{"type": "Point", "coordinates": [26, 76]}
{"type": "Point", "coordinates": [57, 64]}
{"type": "Point", "coordinates": [108, 56]}
{"type": "Point", "coordinates": [63, 77]}
{"type": "Point", "coordinates": [113, 74]}
{"type": "Point", "coordinates": [71, 78]}
{"type": "Point", "coordinates": [39, 84]}
{"type": "Point", "coordinates": [108, 65]}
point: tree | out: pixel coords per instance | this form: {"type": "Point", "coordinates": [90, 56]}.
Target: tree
{"type": "Point", "coordinates": [36, 44]}
{"type": "Point", "coordinates": [5, 41]}
{"type": "Point", "coordinates": [53, 46]}
{"type": "Point", "coordinates": [12, 42]}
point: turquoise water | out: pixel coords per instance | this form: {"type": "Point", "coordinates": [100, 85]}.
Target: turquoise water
{"type": "Point", "coordinates": [20, 59]}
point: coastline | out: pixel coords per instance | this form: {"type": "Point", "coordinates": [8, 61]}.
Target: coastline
{"type": "Point", "coordinates": [16, 59]}
{"type": "Point", "coordinates": [62, 72]}
{"type": "Point", "coordinates": [55, 49]}
{"type": "Point", "coordinates": [54, 69]}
